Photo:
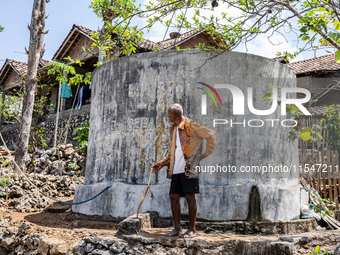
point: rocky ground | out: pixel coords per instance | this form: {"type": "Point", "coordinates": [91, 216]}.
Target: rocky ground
{"type": "Point", "coordinates": [24, 197]}
{"type": "Point", "coordinates": [66, 233]}
{"type": "Point", "coordinates": [63, 160]}
{"type": "Point", "coordinates": [34, 224]}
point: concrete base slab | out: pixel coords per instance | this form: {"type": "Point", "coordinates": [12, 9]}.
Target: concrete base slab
{"type": "Point", "coordinates": [215, 203]}
{"type": "Point", "coordinates": [146, 221]}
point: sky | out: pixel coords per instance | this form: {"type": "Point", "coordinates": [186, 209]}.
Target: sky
{"type": "Point", "coordinates": [15, 15]}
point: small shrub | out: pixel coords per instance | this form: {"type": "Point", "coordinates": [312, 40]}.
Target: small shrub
{"type": "Point", "coordinates": [83, 135]}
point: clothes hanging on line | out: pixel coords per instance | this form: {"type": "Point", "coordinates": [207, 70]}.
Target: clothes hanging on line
{"type": "Point", "coordinates": [87, 92]}
{"type": "Point", "coordinates": [65, 91]}
{"type": "Point", "coordinates": [79, 99]}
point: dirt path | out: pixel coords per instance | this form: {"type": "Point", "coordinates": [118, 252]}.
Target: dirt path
{"type": "Point", "coordinates": [56, 222]}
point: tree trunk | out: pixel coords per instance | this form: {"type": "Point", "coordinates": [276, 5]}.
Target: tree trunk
{"type": "Point", "coordinates": [35, 48]}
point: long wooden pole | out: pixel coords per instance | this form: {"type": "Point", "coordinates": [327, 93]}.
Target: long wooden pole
{"type": "Point", "coordinates": [57, 117]}
{"type": "Point", "coordinates": [146, 191]}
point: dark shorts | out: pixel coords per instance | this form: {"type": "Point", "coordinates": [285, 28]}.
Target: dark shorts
{"type": "Point", "coordinates": [182, 185]}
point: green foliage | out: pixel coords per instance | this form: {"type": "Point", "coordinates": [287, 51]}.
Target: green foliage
{"type": "Point", "coordinates": [11, 108]}
{"type": "Point", "coordinates": [83, 135]}
{"type": "Point", "coordinates": [331, 123]}
{"type": "Point", "coordinates": [4, 162]}
{"type": "Point", "coordinates": [61, 71]}
{"type": "Point", "coordinates": [1, 28]}
{"type": "Point", "coordinates": [319, 209]}
{"type": "Point", "coordinates": [39, 133]}
{"type": "Point", "coordinates": [40, 113]}
{"type": "Point", "coordinates": [318, 251]}
{"type": "Point", "coordinates": [4, 181]}
{"type": "Point", "coordinates": [309, 20]}
{"type": "Point", "coordinates": [298, 132]}
{"type": "Point", "coordinates": [72, 165]}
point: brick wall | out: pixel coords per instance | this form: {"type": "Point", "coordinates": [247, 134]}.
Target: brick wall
{"type": "Point", "coordinates": [13, 79]}
{"type": "Point", "coordinates": [78, 52]}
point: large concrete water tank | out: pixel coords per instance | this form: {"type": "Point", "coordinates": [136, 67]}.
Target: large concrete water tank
{"type": "Point", "coordinates": [129, 132]}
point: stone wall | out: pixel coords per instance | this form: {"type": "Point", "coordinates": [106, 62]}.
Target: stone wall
{"type": "Point", "coordinates": [11, 132]}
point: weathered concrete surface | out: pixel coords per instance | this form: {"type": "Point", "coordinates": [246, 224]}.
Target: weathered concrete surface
{"type": "Point", "coordinates": [122, 200]}
{"type": "Point", "coordinates": [146, 221]}
{"type": "Point", "coordinates": [129, 133]}
{"type": "Point", "coordinates": [133, 225]}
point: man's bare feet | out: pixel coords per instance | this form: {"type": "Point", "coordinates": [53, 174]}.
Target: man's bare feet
{"type": "Point", "coordinates": [188, 234]}
{"type": "Point", "coordinates": [174, 232]}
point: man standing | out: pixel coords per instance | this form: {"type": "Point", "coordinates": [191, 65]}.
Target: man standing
{"type": "Point", "coordinates": [186, 140]}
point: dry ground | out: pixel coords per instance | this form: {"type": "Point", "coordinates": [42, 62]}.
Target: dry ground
{"type": "Point", "coordinates": [55, 222]}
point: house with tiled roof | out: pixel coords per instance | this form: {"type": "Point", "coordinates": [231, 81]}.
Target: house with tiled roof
{"type": "Point", "coordinates": [78, 45]}
{"type": "Point", "coordinates": [13, 72]}
{"type": "Point", "coordinates": [318, 76]}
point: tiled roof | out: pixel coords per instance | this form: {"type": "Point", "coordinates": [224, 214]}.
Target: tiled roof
{"type": "Point", "coordinates": [71, 40]}
{"type": "Point", "coordinates": [85, 30]}
{"type": "Point", "coordinates": [20, 67]}
{"type": "Point", "coordinates": [147, 45]}
{"type": "Point", "coordinates": [171, 42]}
{"type": "Point", "coordinates": [168, 43]}
{"type": "Point", "coordinates": [281, 59]}
{"type": "Point", "coordinates": [9, 67]}
{"type": "Point", "coordinates": [44, 62]}
{"type": "Point", "coordinates": [323, 63]}
{"type": "Point", "coordinates": [317, 110]}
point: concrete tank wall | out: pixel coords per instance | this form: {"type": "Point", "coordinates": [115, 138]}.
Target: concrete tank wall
{"type": "Point", "coordinates": [129, 131]}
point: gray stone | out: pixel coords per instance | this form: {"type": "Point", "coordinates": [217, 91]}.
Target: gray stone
{"type": "Point", "coordinates": [133, 224]}
{"type": "Point", "coordinates": [79, 250]}
{"type": "Point", "coordinates": [290, 239]}
{"type": "Point", "coordinates": [19, 250]}
{"type": "Point", "coordinates": [68, 152]}
{"type": "Point", "coordinates": [23, 229]}
{"type": "Point", "coordinates": [54, 151]}
{"type": "Point", "coordinates": [52, 246]}
{"type": "Point", "coordinates": [68, 146]}
{"type": "Point", "coordinates": [34, 252]}
{"type": "Point", "coordinates": [58, 164]}
{"type": "Point", "coordinates": [59, 249]}
{"type": "Point", "coordinates": [118, 246]}
{"type": "Point", "coordinates": [101, 252]}
{"type": "Point", "coordinates": [8, 243]}
{"type": "Point", "coordinates": [89, 247]}
{"type": "Point", "coordinates": [32, 241]}
{"type": "Point", "coordinates": [337, 250]}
